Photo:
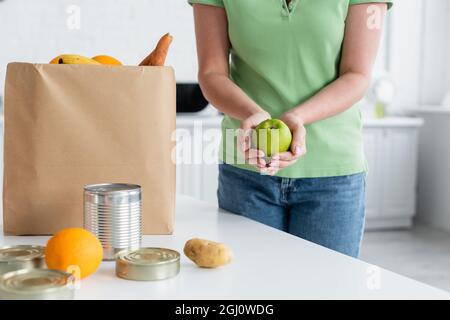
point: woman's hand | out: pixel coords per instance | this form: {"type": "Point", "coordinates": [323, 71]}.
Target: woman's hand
{"type": "Point", "coordinates": [252, 156]}
{"type": "Point", "coordinates": [298, 146]}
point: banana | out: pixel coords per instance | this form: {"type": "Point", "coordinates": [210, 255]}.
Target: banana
{"type": "Point", "coordinates": [55, 60]}
{"type": "Point", "coordinates": [73, 59]}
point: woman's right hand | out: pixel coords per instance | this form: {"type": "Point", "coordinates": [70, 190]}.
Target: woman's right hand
{"type": "Point", "coordinates": [252, 156]}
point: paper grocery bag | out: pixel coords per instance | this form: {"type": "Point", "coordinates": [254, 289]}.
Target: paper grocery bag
{"type": "Point", "coordinates": [67, 126]}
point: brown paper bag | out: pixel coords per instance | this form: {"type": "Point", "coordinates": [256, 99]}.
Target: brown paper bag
{"type": "Point", "coordinates": [71, 125]}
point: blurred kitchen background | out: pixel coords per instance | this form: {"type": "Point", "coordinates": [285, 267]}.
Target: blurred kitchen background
{"type": "Point", "coordinates": [406, 113]}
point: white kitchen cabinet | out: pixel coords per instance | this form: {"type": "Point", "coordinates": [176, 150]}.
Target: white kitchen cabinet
{"type": "Point", "coordinates": [197, 176]}
{"type": "Point", "coordinates": [391, 147]}
{"type": "Point", "coordinates": [391, 151]}
{"type": "Point", "coordinates": [373, 137]}
{"type": "Point", "coordinates": [433, 203]}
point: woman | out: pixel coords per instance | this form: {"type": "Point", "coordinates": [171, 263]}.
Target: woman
{"type": "Point", "coordinates": [306, 62]}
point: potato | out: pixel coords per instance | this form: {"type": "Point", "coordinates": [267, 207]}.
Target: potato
{"type": "Point", "coordinates": [207, 254]}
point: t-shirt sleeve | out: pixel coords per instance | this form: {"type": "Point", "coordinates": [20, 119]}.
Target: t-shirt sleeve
{"type": "Point", "coordinates": [390, 3]}
{"type": "Point", "coordinates": [216, 3]}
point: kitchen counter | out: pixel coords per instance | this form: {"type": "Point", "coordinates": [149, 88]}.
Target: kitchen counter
{"type": "Point", "coordinates": [396, 122]}
{"type": "Point", "coordinates": [214, 120]}
{"type": "Point", "coordinates": [438, 110]}
{"type": "Point", "coordinates": [269, 264]}
{"type": "Point", "coordinates": [209, 118]}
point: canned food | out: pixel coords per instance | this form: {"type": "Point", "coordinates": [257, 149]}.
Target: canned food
{"type": "Point", "coordinates": [147, 264]}
{"type": "Point", "coordinates": [37, 284]}
{"type": "Point", "coordinates": [14, 258]}
{"type": "Point", "coordinates": [112, 212]}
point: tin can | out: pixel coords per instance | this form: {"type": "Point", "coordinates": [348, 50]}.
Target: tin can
{"type": "Point", "coordinates": [147, 264]}
{"type": "Point", "coordinates": [37, 284]}
{"type": "Point", "coordinates": [112, 212]}
{"type": "Point", "coordinates": [14, 258]}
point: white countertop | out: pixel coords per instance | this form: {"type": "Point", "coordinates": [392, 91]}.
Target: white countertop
{"type": "Point", "coordinates": [425, 110]}
{"type": "Point", "coordinates": [393, 122]}
{"type": "Point", "coordinates": [269, 264]}
{"type": "Point", "coordinates": [188, 119]}
{"type": "Point", "coordinates": [214, 120]}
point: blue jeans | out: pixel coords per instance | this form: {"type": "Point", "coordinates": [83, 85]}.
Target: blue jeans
{"type": "Point", "coordinates": [327, 211]}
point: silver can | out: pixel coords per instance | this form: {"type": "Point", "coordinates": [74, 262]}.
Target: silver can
{"type": "Point", "coordinates": [37, 284]}
{"type": "Point", "coordinates": [113, 213]}
{"type": "Point", "coordinates": [147, 264]}
{"type": "Point", "coordinates": [14, 258]}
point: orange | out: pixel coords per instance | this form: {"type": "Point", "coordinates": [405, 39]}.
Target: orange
{"type": "Point", "coordinates": [74, 249]}
{"type": "Point", "coordinates": [107, 60]}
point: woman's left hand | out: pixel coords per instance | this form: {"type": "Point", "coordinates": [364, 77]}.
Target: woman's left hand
{"type": "Point", "coordinates": [298, 146]}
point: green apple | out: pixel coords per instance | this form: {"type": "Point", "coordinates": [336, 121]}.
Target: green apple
{"type": "Point", "coordinates": [272, 136]}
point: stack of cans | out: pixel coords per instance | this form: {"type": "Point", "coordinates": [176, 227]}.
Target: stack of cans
{"type": "Point", "coordinates": [37, 284]}
{"type": "Point", "coordinates": [112, 212]}
{"type": "Point", "coordinates": [23, 277]}
{"type": "Point", "coordinates": [14, 258]}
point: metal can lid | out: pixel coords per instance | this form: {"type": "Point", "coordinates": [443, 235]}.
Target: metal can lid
{"type": "Point", "coordinates": [148, 264]}
{"type": "Point", "coordinates": [21, 253]}
{"type": "Point", "coordinates": [36, 284]}
{"type": "Point", "coordinates": [112, 193]}
{"type": "Point", "coordinates": [105, 188]}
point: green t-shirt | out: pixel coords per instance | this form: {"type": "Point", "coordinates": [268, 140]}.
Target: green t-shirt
{"type": "Point", "coordinates": [282, 56]}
